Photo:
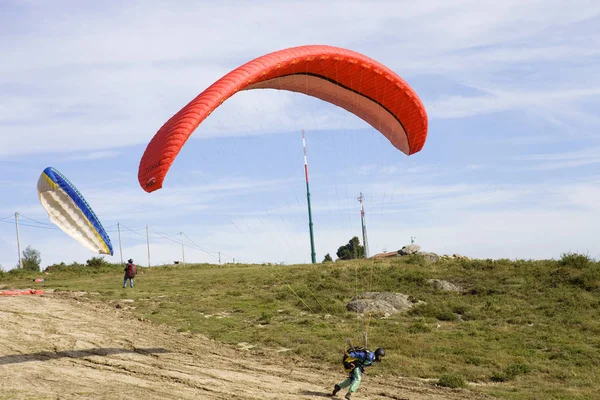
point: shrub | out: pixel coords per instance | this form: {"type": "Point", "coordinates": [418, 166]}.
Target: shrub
{"type": "Point", "coordinates": [96, 262]}
{"type": "Point", "coordinates": [574, 260]}
{"type": "Point", "coordinates": [510, 372]}
{"type": "Point", "coordinates": [31, 259]}
{"type": "Point", "coordinates": [419, 327]}
{"type": "Point", "coordinates": [416, 259]}
{"type": "Point", "coordinates": [441, 312]}
{"type": "Point", "coordinates": [451, 381]}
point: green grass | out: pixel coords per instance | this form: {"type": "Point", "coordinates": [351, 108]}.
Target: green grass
{"type": "Point", "coordinates": [521, 329]}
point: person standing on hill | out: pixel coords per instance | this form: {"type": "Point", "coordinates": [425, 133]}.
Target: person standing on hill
{"type": "Point", "coordinates": [355, 360]}
{"type": "Point", "coordinates": [130, 272]}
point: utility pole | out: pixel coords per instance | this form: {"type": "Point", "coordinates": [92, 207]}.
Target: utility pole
{"type": "Point", "coordinates": [148, 242]}
{"type": "Point", "coordinates": [364, 227]}
{"type": "Point", "coordinates": [120, 246]}
{"type": "Point", "coordinates": [310, 223]}
{"type": "Point", "coordinates": [182, 251]}
{"type": "Point", "coordinates": [18, 240]}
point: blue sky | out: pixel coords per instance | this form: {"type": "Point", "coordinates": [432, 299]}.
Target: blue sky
{"type": "Point", "coordinates": [510, 167]}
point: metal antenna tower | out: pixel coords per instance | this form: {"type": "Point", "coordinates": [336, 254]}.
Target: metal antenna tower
{"type": "Point", "coordinates": [310, 223]}
{"type": "Point", "coordinates": [364, 226]}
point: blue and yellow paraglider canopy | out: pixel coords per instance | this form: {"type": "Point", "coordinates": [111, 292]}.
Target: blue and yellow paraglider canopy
{"type": "Point", "coordinates": [67, 208]}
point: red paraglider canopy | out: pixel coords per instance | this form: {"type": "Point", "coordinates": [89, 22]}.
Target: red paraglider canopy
{"type": "Point", "coordinates": [339, 76]}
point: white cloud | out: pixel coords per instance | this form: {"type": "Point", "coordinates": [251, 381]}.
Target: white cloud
{"type": "Point", "coordinates": [496, 101]}
{"type": "Point", "coordinates": [116, 78]}
{"type": "Point", "coordinates": [125, 204]}
{"type": "Point", "coordinates": [403, 170]}
{"type": "Point", "coordinates": [97, 155]}
{"type": "Point", "coordinates": [562, 160]}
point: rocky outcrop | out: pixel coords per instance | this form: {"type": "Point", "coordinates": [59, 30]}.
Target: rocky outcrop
{"type": "Point", "coordinates": [409, 249]}
{"type": "Point", "coordinates": [384, 303]}
{"type": "Point", "coordinates": [456, 256]}
{"type": "Point", "coordinates": [430, 257]}
{"type": "Point", "coordinates": [444, 285]}
{"type": "Point", "coordinates": [415, 249]}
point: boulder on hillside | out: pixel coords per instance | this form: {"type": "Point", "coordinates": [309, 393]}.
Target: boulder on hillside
{"type": "Point", "coordinates": [430, 257]}
{"type": "Point", "coordinates": [386, 303]}
{"type": "Point", "coordinates": [456, 256]}
{"type": "Point", "coordinates": [444, 285]}
{"type": "Point", "coordinates": [409, 249]}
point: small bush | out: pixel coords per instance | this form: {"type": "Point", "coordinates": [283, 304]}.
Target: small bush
{"type": "Point", "coordinates": [473, 360]}
{"type": "Point", "coordinates": [416, 259]}
{"type": "Point", "coordinates": [510, 372]}
{"type": "Point", "coordinates": [481, 265]}
{"type": "Point", "coordinates": [576, 270]}
{"type": "Point", "coordinates": [96, 262]}
{"type": "Point", "coordinates": [459, 308]}
{"type": "Point", "coordinates": [446, 316]}
{"type": "Point", "coordinates": [419, 327]}
{"type": "Point", "coordinates": [416, 277]}
{"type": "Point", "coordinates": [265, 318]}
{"type": "Point", "coordinates": [438, 311]}
{"type": "Point", "coordinates": [589, 280]}
{"type": "Point", "coordinates": [63, 267]}
{"type": "Point", "coordinates": [451, 381]}
{"type": "Point", "coordinates": [574, 260]}
{"type": "Point", "coordinates": [20, 272]}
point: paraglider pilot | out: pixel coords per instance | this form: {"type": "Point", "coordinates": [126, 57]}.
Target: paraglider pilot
{"type": "Point", "coordinates": [130, 272]}
{"type": "Point", "coordinates": [355, 360]}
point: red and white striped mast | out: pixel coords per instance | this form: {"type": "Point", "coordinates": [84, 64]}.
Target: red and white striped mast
{"type": "Point", "coordinates": [364, 226]}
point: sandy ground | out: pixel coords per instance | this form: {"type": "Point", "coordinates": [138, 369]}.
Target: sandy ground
{"type": "Point", "coordinates": [59, 347]}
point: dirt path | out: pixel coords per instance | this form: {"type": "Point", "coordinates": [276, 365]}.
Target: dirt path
{"type": "Point", "coordinates": [56, 347]}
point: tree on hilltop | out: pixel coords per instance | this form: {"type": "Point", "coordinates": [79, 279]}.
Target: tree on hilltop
{"type": "Point", "coordinates": [352, 250]}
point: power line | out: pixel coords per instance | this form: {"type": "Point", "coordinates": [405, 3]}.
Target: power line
{"type": "Point", "coordinates": [195, 246]}
{"type": "Point", "coordinates": [158, 235]}
{"type": "Point", "coordinates": [200, 248]}
{"type": "Point", "coordinates": [164, 234]}
{"type": "Point", "coordinates": [36, 221]}
{"type": "Point", "coordinates": [32, 226]}
{"type": "Point", "coordinates": [131, 230]}
{"type": "Point", "coordinates": [169, 238]}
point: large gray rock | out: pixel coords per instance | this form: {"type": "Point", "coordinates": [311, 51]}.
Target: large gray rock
{"type": "Point", "coordinates": [456, 257]}
{"type": "Point", "coordinates": [409, 249]}
{"type": "Point", "coordinates": [444, 285]}
{"type": "Point", "coordinates": [371, 306]}
{"type": "Point", "coordinates": [386, 303]}
{"type": "Point", "coordinates": [430, 257]}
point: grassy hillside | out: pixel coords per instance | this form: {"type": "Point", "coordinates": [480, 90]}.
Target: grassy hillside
{"type": "Point", "coordinates": [519, 329]}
